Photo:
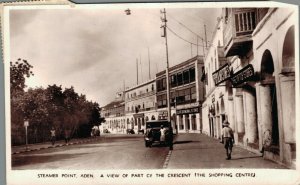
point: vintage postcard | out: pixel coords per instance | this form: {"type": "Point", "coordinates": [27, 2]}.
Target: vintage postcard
{"type": "Point", "coordinates": [152, 93]}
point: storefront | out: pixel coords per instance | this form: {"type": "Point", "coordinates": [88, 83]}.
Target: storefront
{"type": "Point", "coordinates": [187, 120]}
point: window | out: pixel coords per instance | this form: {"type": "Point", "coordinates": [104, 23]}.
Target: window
{"type": "Point", "coordinates": [164, 84]}
{"type": "Point", "coordinates": [186, 77]}
{"type": "Point", "coordinates": [193, 94]}
{"type": "Point", "coordinates": [162, 101]}
{"type": "Point", "coordinates": [161, 84]}
{"type": "Point", "coordinates": [173, 81]}
{"type": "Point", "coordinates": [152, 88]}
{"type": "Point", "coordinates": [192, 74]}
{"type": "Point", "coordinates": [187, 95]}
{"type": "Point", "coordinates": [179, 79]}
{"type": "Point", "coordinates": [173, 98]}
{"type": "Point", "coordinates": [180, 98]}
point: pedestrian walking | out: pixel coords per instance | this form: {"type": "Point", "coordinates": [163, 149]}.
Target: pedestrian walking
{"type": "Point", "coordinates": [228, 139]}
{"type": "Point", "coordinates": [53, 136]}
{"type": "Point", "coordinates": [67, 134]}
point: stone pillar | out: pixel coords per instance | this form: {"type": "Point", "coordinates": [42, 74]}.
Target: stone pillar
{"type": "Point", "coordinates": [258, 105]}
{"type": "Point", "coordinates": [231, 113]}
{"type": "Point", "coordinates": [217, 126]}
{"type": "Point", "coordinates": [178, 122]}
{"type": "Point", "coordinates": [251, 121]}
{"type": "Point", "coordinates": [287, 85]}
{"type": "Point", "coordinates": [190, 117]}
{"type": "Point", "coordinates": [184, 122]}
{"type": "Point", "coordinates": [239, 114]}
{"type": "Point", "coordinates": [266, 114]}
{"type": "Point", "coordinates": [199, 122]}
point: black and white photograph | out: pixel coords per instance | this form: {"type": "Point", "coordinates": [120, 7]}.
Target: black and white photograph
{"type": "Point", "coordinates": [151, 92]}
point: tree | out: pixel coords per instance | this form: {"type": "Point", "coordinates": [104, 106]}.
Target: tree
{"type": "Point", "coordinates": [19, 71]}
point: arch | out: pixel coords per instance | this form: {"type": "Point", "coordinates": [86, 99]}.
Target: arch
{"type": "Point", "coordinates": [267, 66]}
{"type": "Point", "coordinates": [268, 80]}
{"type": "Point", "coordinates": [147, 118]}
{"type": "Point", "coordinates": [152, 117]}
{"type": "Point", "coordinates": [222, 107]}
{"type": "Point", "coordinates": [288, 51]}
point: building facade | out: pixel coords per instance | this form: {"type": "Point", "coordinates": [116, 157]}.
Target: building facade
{"type": "Point", "coordinates": [215, 108]}
{"type": "Point", "coordinates": [140, 105]}
{"type": "Point", "coordinates": [257, 83]}
{"type": "Point", "coordinates": [114, 114]}
{"type": "Point", "coordinates": [186, 95]}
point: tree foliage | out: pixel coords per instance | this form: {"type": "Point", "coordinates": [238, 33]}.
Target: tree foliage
{"type": "Point", "coordinates": [63, 109]}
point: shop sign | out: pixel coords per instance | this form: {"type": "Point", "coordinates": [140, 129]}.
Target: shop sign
{"type": "Point", "coordinates": [243, 75]}
{"type": "Point", "coordinates": [140, 115]}
{"type": "Point", "coordinates": [221, 74]}
{"type": "Point", "coordinates": [163, 115]}
{"type": "Point", "coordinates": [188, 111]}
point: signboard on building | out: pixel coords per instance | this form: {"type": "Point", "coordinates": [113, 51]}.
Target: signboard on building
{"type": "Point", "coordinates": [221, 74]}
{"type": "Point", "coordinates": [188, 111]}
{"type": "Point", "coordinates": [162, 115]}
{"type": "Point", "coordinates": [245, 74]}
{"type": "Point", "coordinates": [139, 115]}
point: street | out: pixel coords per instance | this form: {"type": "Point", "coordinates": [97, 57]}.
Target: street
{"type": "Point", "coordinates": [111, 152]}
{"type": "Point", "coordinates": [191, 151]}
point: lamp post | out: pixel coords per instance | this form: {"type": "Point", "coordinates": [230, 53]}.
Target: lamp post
{"type": "Point", "coordinates": [164, 26]}
{"type": "Point", "coordinates": [26, 124]}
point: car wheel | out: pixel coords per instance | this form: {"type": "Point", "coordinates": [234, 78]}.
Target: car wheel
{"type": "Point", "coordinates": [146, 144]}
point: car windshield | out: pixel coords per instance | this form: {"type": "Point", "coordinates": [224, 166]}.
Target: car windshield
{"type": "Point", "coordinates": [157, 124]}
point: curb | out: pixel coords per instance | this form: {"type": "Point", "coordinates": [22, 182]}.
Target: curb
{"type": "Point", "coordinates": [169, 154]}
{"type": "Point", "coordinates": [55, 146]}
{"type": "Point", "coordinates": [167, 160]}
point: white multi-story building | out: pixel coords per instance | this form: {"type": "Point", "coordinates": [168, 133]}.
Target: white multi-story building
{"type": "Point", "coordinates": [140, 105]}
{"type": "Point", "coordinates": [255, 89]}
{"type": "Point", "coordinates": [186, 95]}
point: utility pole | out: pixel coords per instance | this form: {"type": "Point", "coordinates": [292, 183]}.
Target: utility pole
{"type": "Point", "coordinates": [191, 50]}
{"type": "Point", "coordinates": [137, 72]}
{"type": "Point", "coordinates": [205, 36]}
{"type": "Point", "coordinates": [141, 68]}
{"type": "Point", "coordinates": [197, 45]}
{"type": "Point", "coordinates": [164, 26]}
{"type": "Point", "coordinates": [149, 63]}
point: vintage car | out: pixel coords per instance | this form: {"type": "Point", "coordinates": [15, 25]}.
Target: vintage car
{"type": "Point", "coordinates": [153, 133]}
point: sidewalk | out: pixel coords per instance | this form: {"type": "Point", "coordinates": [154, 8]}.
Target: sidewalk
{"type": "Point", "coordinates": [195, 151]}
{"type": "Point", "coordinates": [41, 146]}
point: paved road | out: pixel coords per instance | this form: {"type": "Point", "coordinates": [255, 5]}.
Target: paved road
{"type": "Point", "coordinates": [115, 152]}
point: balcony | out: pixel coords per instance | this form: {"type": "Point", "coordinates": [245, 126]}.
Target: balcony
{"type": "Point", "coordinates": [238, 27]}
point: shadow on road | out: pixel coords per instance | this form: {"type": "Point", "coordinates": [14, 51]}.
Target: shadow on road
{"type": "Point", "coordinates": [41, 158]}
{"type": "Point", "coordinates": [183, 142]}
{"type": "Point", "coordinates": [249, 157]}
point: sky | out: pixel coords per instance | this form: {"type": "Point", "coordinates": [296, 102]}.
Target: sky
{"type": "Point", "coordinates": [96, 50]}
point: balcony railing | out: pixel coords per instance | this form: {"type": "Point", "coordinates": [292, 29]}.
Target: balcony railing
{"type": "Point", "coordinates": [244, 22]}
{"type": "Point", "coordinates": [238, 28]}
